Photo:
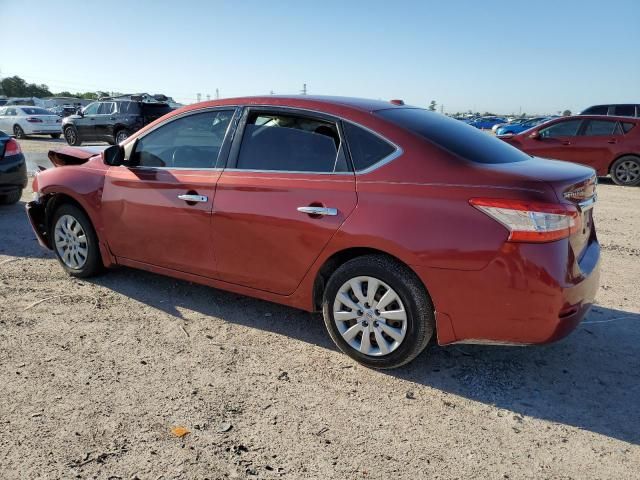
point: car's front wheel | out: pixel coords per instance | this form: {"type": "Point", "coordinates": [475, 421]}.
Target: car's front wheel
{"type": "Point", "coordinates": [121, 136]}
{"type": "Point", "coordinates": [18, 132]}
{"type": "Point", "coordinates": [71, 136]}
{"type": "Point", "coordinates": [378, 312]}
{"type": "Point", "coordinates": [75, 242]}
{"type": "Point", "coordinates": [626, 171]}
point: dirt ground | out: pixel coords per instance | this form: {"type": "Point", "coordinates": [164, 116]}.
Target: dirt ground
{"type": "Point", "coordinates": [95, 374]}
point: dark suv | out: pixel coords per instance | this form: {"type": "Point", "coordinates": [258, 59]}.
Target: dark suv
{"type": "Point", "coordinates": [111, 120]}
{"type": "Point", "coordinates": [617, 109]}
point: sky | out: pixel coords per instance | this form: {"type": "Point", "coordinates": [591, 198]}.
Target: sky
{"type": "Point", "coordinates": [506, 56]}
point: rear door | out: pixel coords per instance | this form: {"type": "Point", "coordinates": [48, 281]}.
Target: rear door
{"type": "Point", "coordinates": [157, 211]}
{"type": "Point", "coordinates": [104, 121]}
{"type": "Point", "coordinates": [597, 143]}
{"type": "Point", "coordinates": [556, 141]}
{"type": "Point", "coordinates": [285, 193]}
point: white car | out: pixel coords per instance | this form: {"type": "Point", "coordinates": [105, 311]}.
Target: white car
{"type": "Point", "coordinates": [23, 120]}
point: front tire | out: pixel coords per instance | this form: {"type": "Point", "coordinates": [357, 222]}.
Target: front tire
{"type": "Point", "coordinates": [378, 312]}
{"type": "Point", "coordinates": [18, 132]}
{"type": "Point", "coordinates": [72, 137]}
{"type": "Point", "coordinates": [626, 171]}
{"type": "Point", "coordinates": [121, 136]}
{"type": "Point", "coordinates": [11, 198]}
{"type": "Point", "coordinates": [75, 242]}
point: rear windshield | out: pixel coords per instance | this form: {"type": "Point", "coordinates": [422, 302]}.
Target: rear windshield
{"type": "Point", "coordinates": [35, 111]}
{"type": "Point", "coordinates": [455, 136]}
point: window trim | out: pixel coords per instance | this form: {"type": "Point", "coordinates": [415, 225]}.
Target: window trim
{"type": "Point", "coordinates": [130, 146]}
{"type": "Point", "coordinates": [578, 133]}
{"type": "Point", "coordinates": [384, 160]}
{"type": "Point", "coordinates": [585, 124]}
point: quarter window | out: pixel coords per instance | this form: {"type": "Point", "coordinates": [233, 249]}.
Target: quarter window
{"type": "Point", "coordinates": [188, 142]}
{"type": "Point", "coordinates": [366, 148]}
{"type": "Point", "coordinates": [286, 142]}
{"type": "Point", "coordinates": [626, 126]}
{"type": "Point", "coordinates": [597, 128]}
{"type": "Point", "coordinates": [568, 128]}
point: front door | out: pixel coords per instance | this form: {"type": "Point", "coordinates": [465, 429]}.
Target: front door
{"type": "Point", "coordinates": [286, 192]}
{"type": "Point", "coordinates": [157, 211]}
{"type": "Point", "coordinates": [85, 124]}
{"type": "Point", "coordinates": [556, 141]}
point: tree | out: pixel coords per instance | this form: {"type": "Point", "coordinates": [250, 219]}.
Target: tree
{"type": "Point", "coordinates": [432, 105]}
{"type": "Point", "coordinates": [566, 113]}
{"type": "Point", "coordinates": [17, 87]}
{"type": "Point", "coordinates": [64, 94]}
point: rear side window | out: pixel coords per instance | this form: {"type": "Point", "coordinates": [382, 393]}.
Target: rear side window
{"type": "Point", "coordinates": [625, 110]}
{"type": "Point", "coordinates": [567, 128]}
{"type": "Point", "coordinates": [106, 108]}
{"type": "Point", "coordinates": [597, 110]}
{"type": "Point", "coordinates": [599, 128]}
{"type": "Point", "coordinates": [457, 137]}
{"type": "Point", "coordinates": [366, 148]}
{"type": "Point", "coordinates": [35, 111]}
{"type": "Point", "coordinates": [285, 142]}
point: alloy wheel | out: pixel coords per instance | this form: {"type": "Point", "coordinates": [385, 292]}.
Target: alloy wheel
{"type": "Point", "coordinates": [628, 171]}
{"type": "Point", "coordinates": [121, 136]}
{"type": "Point", "coordinates": [370, 316]}
{"type": "Point", "coordinates": [70, 135]}
{"type": "Point", "coordinates": [71, 242]}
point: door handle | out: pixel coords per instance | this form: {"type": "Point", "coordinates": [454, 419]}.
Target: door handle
{"type": "Point", "coordinates": [193, 198]}
{"type": "Point", "coordinates": [319, 211]}
{"type": "Point", "coordinates": [612, 141]}
{"type": "Point", "coordinates": [566, 143]}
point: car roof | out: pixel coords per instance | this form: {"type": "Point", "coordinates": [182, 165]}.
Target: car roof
{"type": "Point", "coordinates": [600, 117]}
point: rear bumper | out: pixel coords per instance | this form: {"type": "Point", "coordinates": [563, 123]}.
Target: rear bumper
{"type": "Point", "coordinates": [13, 173]}
{"type": "Point", "coordinates": [526, 295]}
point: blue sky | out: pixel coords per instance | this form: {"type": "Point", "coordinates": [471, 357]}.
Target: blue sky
{"type": "Point", "coordinates": [504, 56]}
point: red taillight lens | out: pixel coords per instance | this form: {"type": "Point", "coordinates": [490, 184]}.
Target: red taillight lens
{"type": "Point", "coordinates": [34, 120]}
{"type": "Point", "coordinates": [12, 148]}
{"type": "Point", "coordinates": [534, 222]}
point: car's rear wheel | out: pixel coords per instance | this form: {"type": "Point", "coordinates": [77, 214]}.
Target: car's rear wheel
{"type": "Point", "coordinates": [74, 242]}
{"type": "Point", "coordinates": [378, 312]}
{"type": "Point", "coordinates": [72, 137]}
{"type": "Point", "coordinates": [121, 136]}
{"type": "Point", "coordinates": [18, 132]}
{"type": "Point", "coordinates": [55, 135]}
{"type": "Point", "coordinates": [11, 198]}
{"type": "Point", "coordinates": [626, 171]}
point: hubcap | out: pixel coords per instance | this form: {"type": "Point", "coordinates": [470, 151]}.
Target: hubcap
{"type": "Point", "coordinates": [628, 171]}
{"type": "Point", "coordinates": [121, 136]}
{"type": "Point", "coordinates": [71, 242]}
{"type": "Point", "coordinates": [71, 135]}
{"type": "Point", "coordinates": [370, 316]}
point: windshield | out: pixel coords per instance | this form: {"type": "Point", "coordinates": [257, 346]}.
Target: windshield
{"type": "Point", "coordinates": [457, 137]}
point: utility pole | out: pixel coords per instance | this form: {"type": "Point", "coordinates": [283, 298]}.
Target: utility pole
{"type": "Point", "coordinates": [217, 94]}
{"type": "Point", "coordinates": [208, 97]}
{"type": "Point", "coordinates": [270, 92]}
{"type": "Point", "coordinates": [441, 108]}
{"type": "Point", "coordinates": [304, 89]}
{"type": "Point", "coordinates": [198, 97]}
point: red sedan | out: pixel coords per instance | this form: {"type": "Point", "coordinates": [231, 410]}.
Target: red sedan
{"type": "Point", "coordinates": [610, 145]}
{"type": "Point", "coordinates": [398, 223]}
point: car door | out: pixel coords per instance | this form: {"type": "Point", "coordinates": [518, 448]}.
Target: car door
{"type": "Point", "coordinates": [556, 141]}
{"type": "Point", "coordinates": [104, 120]}
{"type": "Point", "coordinates": [286, 191]}
{"type": "Point", "coordinates": [597, 142]}
{"type": "Point", "coordinates": [85, 124]}
{"type": "Point", "coordinates": [157, 208]}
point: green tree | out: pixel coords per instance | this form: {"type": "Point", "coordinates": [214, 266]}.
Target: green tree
{"type": "Point", "coordinates": [566, 113]}
{"type": "Point", "coordinates": [64, 93]}
{"type": "Point", "coordinates": [432, 105]}
{"type": "Point", "coordinates": [17, 87]}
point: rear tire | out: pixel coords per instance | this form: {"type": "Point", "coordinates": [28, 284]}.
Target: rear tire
{"type": "Point", "coordinates": [55, 135]}
{"type": "Point", "coordinates": [410, 315]}
{"type": "Point", "coordinates": [626, 171]}
{"type": "Point", "coordinates": [11, 198]}
{"type": "Point", "coordinates": [75, 242]}
{"type": "Point", "coordinates": [71, 136]}
{"type": "Point", "coordinates": [120, 136]}
{"type": "Point", "coordinates": [18, 132]}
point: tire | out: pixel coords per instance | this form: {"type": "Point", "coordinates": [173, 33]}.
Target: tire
{"type": "Point", "coordinates": [413, 301]}
{"type": "Point", "coordinates": [18, 132]}
{"type": "Point", "coordinates": [626, 171]}
{"type": "Point", "coordinates": [120, 136]}
{"type": "Point", "coordinates": [64, 228]}
{"type": "Point", "coordinates": [55, 135]}
{"type": "Point", "coordinates": [11, 198]}
{"type": "Point", "coordinates": [72, 137]}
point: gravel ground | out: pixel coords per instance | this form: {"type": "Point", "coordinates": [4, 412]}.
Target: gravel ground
{"type": "Point", "coordinates": [97, 373]}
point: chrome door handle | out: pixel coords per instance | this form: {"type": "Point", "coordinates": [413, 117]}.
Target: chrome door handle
{"type": "Point", "coordinates": [193, 198]}
{"type": "Point", "coordinates": [319, 211]}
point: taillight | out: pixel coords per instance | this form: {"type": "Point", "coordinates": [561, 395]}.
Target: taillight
{"type": "Point", "coordinates": [34, 120]}
{"type": "Point", "coordinates": [12, 148]}
{"type": "Point", "coordinates": [534, 222]}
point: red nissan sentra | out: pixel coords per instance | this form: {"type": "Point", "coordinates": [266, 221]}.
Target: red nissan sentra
{"type": "Point", "coordinates": [400, 224]}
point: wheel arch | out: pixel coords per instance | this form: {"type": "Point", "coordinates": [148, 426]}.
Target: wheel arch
{"type": "Point", "coordinates": [629, 154]}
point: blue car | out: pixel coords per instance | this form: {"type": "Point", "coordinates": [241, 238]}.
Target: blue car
{"type": "Point", "coordinates": [486, 122]}
{"type": "Point", "coordinates": [513, 128]}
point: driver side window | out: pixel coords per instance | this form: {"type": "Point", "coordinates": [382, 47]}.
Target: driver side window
{"type": "Point", "coordinates": [193, 141]}
{"type": "Point", "coordinates": [561, 129]}
{"type": "Point", "coordinates": [91, 109]}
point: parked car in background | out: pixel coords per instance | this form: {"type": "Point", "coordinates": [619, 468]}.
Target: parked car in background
{"type": "Point", "coordinates": [610, 145]}
{"type": "Point", "coordinates": [111, 121]}
{"type": "Point", "coordinates": [512, 121]}
{"type": "Point", "coordinates": [513, 128]}
{"type": "Point", "coordinates": [396, 222]}
{"type": "Point", "coordinates": [617, 109]}
{"type": "Point", "coordinates": [485, 123]}
{"type": "Point", "coordinates": [25, 120]}
{"type": "Point", "coordinates": [63, 110]}
{"type": "Point", "coordinates": [13, 170]}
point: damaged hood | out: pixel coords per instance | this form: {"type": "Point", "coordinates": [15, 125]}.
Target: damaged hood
{"type": "Point", "coordinates": [74, 155]}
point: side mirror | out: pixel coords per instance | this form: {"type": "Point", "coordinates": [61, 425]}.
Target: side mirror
{"type": "Point", "coordinates": [79, 112]}
{"type": "Point", "coordinates": [535, 135]}
{"type": "Point", "coordinates": [114, 156]}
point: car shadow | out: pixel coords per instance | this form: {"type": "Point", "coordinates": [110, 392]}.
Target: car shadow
{"type": "Point", "coordinates": [590, 380]}
{"type": "Point", "coordinates": [21, 242]}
